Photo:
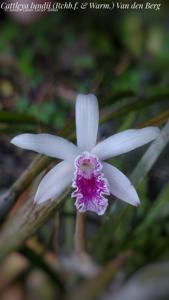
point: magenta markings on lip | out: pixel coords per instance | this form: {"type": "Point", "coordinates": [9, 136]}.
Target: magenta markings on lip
{"type": "Point", "coordinates": [90, 184]}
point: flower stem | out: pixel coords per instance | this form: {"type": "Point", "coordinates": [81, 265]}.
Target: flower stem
{"type": "Point", "coordinates": [79, 237]}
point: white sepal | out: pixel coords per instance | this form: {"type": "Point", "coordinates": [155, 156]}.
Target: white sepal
{"type": "Point", "coordinates": [119, 185]}
{"type": "Point", "coordinates": [125, 141]}
{"type": "Point", "coordinates": [55, 182]}
{"type": "Point", "coordinates": [47, 144]}
{"type": "Point", "coordinates": [87, 120]}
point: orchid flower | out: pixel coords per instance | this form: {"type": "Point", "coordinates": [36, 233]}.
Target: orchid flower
{"type": "Point", "coordinates": [83, 165]}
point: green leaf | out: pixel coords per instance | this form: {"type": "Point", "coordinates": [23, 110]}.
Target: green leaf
{"type": "Point", "coordinates": [150, 156]}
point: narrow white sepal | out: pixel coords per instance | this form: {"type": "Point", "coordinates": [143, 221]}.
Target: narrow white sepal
{"type": "Point", "coordinates": [125, 141]}
{"type": "Point", "coordinates": [87, 120]}
{"type": "Point", "coordinates": [55, 182]}
{"type": "Point", "coordinates": [47, 144]}
{"type": "Point", "coordinates": [119, 185]}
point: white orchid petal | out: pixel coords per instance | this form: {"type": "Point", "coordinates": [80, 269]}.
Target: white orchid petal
{"type": "Point", "coordinates": [47, 144]}
{"type": "Point", "coordinates": [125, 141]}
{"type": "Point", "coordinates": [55, 182]}
{"type": "Point", "coordinates": [87, 120]}
{"type": "Point", "coordinates": [119, 185]}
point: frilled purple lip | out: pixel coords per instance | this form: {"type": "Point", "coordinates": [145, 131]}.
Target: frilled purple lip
{"type": "Point", "coordinates": [90, 184]}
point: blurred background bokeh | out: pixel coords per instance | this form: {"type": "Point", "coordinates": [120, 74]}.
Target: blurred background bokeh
{"type": "Point", "coordinates": [122, 56]}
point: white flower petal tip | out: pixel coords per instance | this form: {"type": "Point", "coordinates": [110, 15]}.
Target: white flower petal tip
{"type": "Point", "coordinates": [87, 120]}
{"type": "Point", "coordinates": [132, 197]}
{"type": "Point", "coordinates": [157, 131]}
{"type": "Point", "coordinates": [47, 144]}
{"type": "Point", "coordinates": [136, 201]}
{"type": "Point", "coordinates": [119, 185]}
{"type": "Point", "coordinates": [55, 182]}
{"type": "Point", "coordinates": [18, 140]}
{"type": "Point", "coordinates": [125, 141]}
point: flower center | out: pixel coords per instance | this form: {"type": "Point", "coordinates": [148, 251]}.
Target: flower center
{"type": "Point", "coordinates": [90, 184]}
{"type": "Point", "coordinates": [86, 167]}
